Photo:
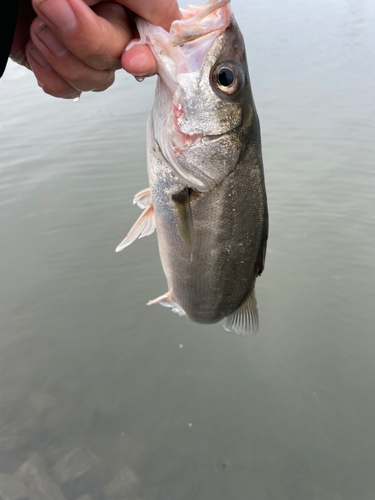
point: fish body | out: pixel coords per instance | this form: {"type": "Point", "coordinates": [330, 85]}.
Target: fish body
{"type": "Point", "coordinates": [207, 195]}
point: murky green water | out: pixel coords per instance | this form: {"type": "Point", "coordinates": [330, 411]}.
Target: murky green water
{"type": "Point", "coordinates": [188, 411]}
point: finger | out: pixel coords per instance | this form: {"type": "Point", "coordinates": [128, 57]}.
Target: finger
{"type": "Point", "coordinates": [158, 12]}
{"type": "Point", "coordinates": [75, 72]}
{"type": "Point", "coordinates": [139, 61]}
{"type": "Point", "coordinates": [47, 78]}
{"type": "Point", "coordinates": [96, 41]}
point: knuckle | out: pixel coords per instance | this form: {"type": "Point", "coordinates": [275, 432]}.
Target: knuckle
{"type": "Point", "coordinates": [36, 4]}
{"type": "Point", "coordinates": [106, 83]}
{"type": "Point", "coordinates": [98, 59]}
{"type": "Point", "coordinates": [58, 90]}
{"type": "Point", "coordinates": [97, 83]}
{"type": "Point", "coordinates": [35, 25]}
{"type": "Point", "coordinates": [97, 55]}
{"type": "Point", "coordinates": [114, 65]}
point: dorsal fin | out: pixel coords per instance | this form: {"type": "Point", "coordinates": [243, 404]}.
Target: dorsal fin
{"type": "Point", "coordinates": [259, 265]}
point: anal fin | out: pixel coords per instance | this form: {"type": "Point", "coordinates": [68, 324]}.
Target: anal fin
{"type": "Point", "coordinates": [167, 301]}
{"type": "Point", "coordinates": [244, 320]}
{"type": "Point", "coordinates": [144, 226]}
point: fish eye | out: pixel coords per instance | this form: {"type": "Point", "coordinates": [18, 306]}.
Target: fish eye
{"type": "Point", "coordinates": [227, 78]}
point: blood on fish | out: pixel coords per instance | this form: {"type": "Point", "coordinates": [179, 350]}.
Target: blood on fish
{"type": "Point", "coordinates": [188, 141]}
{"type": "Point", "coordinates": [178, 111]}
{"type": "Point", "coordinates": [185, 139]}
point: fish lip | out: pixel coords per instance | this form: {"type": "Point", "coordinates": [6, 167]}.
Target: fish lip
{"type": "Point", "coordinates": [208, 8]}
{"type": "Point", "coordinates": [197, 141]}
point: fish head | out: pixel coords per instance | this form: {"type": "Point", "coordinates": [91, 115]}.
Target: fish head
{"type": "Point", "coordinates": [203, 106]}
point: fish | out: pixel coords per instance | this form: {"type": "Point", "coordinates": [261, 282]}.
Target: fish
{"type": "Point", "coordinates": [206, 196]}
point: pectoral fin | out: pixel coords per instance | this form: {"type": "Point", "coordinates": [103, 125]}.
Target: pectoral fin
{"type": "Point", "coordinates": [181, 203]}
{"type": "Point", "coordinates": [244, 320]}
{"type": "Point", "coordinates": [144, 226]}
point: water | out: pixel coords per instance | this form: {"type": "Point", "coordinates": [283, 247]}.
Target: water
{"type": "Point", "coordinates": [288, 414]}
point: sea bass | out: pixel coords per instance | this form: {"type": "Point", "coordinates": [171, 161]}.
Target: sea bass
{"type": "Point", "coordinates": [207, 197]}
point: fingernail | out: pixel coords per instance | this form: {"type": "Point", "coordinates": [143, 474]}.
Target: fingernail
{"type": "Point", "coordinates": [59, 13]}
{"type": "Point", "coordinates": [37, 56]}
{"type": "Point", "coordinates": [51, 41]}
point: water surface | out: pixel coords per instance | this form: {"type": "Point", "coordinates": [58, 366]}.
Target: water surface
{"type": "Point", "coordinates": [191, 411]}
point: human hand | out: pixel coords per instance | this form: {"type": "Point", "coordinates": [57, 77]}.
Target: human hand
{"type": "Point", "coordinates": [139, 60]}
{"type": "Point", "coordinates": [76, 47]}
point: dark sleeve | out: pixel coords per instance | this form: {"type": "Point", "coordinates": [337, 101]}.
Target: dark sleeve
{"type": "Point", "coordinates": [8, 19]}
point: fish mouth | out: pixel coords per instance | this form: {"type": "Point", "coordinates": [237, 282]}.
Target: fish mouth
{"type": "Point", "coordinates": [200, 22]}
{"type": "Point", "coordinates": [175, 148]}
{"type": "Point", "coordinates": [193, 141]}
{"type": "Point", "coordinates": [181, 141]}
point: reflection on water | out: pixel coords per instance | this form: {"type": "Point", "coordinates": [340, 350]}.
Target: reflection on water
{"type": "Point", "coordinates": [97, 395]}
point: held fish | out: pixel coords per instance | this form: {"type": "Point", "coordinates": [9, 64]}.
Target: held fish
{"type": "Point", "coordinates": [207, 196]}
